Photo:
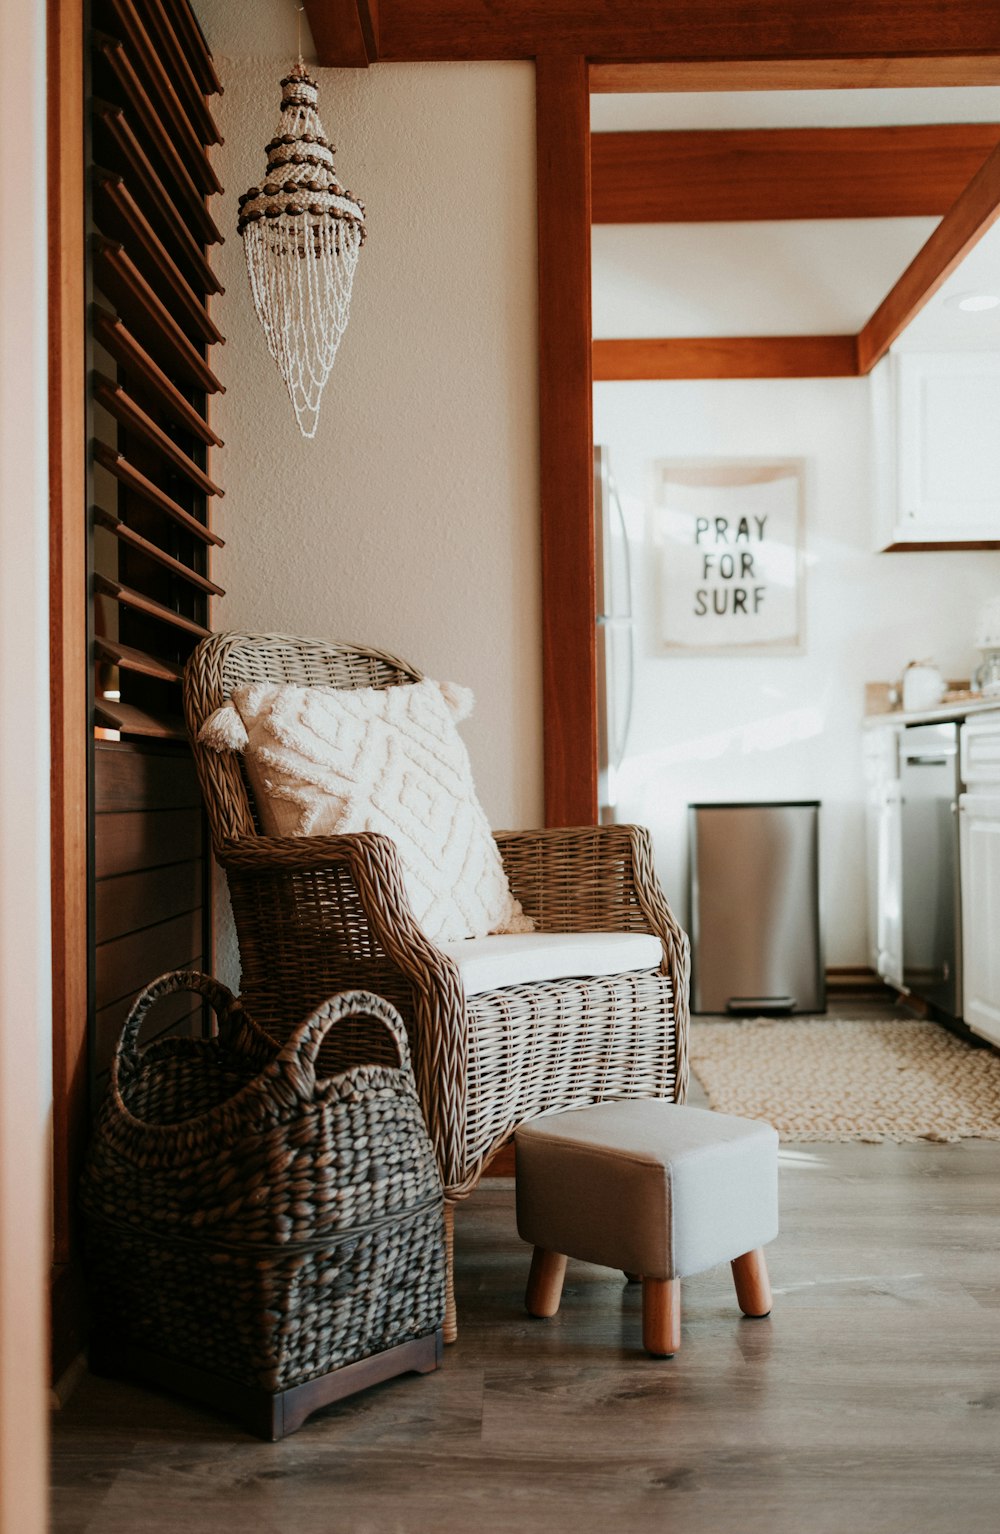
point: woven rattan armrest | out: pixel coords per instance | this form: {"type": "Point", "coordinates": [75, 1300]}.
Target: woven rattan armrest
{"type": "Point", "coordinates": [597, 879]}
{"type": "Point", "coordinates": [334, 897]}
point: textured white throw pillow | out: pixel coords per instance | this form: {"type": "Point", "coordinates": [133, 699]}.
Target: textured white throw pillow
{"type": "Point", "coordinates": [327, 760]}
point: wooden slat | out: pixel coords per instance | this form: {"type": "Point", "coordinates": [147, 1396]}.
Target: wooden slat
{"type": "Point", "coordinates": [110, 459]}
{"type": "Point", "coordinates": [569, 674]}
{"type": "Point", "coordinates": [785, 173]}
{"type": "Point", "coordinates": [142, 545]}
{"type": "Point", "coordinates": [127, 658]}
{"type": "Point", "coordinates": [125, 409]}
{"type": "Point", "coordinates": [727, 357]}
{"type": "Point", "coordinates": [129, 719]}
{"type": "Point", "coordinates": [125, 285]}
{"type": "Point", "coordinates": [127, 902]}
{"type": "Point", "coordinates": [816, 74]}
{"type": "Point", "coordinates": [192, 38]}
{"type": "Point", "coordinates": [707, 30]}
{"type": "Point", "coordinates": [139, 777]}
{"type": "Point", "coordinates": [119, 215]}
{"type": "Point", "coordinates": [126, 964]}
{"type": "Point", "coordinates": [115, 335]}
{"type": "Point", "coordinates": [145, 114]}
{"type": "Point", "coordinates": [164, 98]}
{"type": "Point", "coordinates": [116, 143]}
{"type": "Point", "coordinates": [960, 229]}
{"type": "Point", "coordinates": [130, 841]}
{"type": "Point", "coordinates": [128, 597]}
{"type": "Point", "coordinates": [159, 25]}
{"type": "Point", "coordinates": [346, 30]}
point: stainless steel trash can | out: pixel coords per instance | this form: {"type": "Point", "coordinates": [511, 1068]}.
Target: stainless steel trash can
{"type": "Point", "coordinates": [755, 912]}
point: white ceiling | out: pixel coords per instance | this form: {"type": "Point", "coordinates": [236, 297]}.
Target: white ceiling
{"type": "Point", "coordinates": [792, 109]}
{"type": "Point", "coordinates": [943, 327]}
{"type": "Point", "coordinates": [810, 277]}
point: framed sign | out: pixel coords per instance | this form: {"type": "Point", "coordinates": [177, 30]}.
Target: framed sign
{"type": "Point", "coordinates": [727, 534]}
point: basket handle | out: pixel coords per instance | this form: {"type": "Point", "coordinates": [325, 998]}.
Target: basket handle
{"type": "Point", "coordinates": [128, 1056]}
{"type": "Point", "coordinates": [298, 1055]}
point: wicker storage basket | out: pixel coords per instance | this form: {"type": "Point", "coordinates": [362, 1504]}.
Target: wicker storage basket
{"type": "Point", "coordinates": [254, 1233]}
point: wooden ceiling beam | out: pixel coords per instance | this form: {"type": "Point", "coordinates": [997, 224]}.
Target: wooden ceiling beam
{"type": "Point", "coordinates": [727, 357]}
{"type": "Point", "coordinates": [785, 173]}
{"type": "Point", "coordinates": [814, 74]}
{"type": "Point", "coordinates": [961, 228]}
{"type": "Point", "coordinates": [345, 32]}
{"type": "Point", "coordinates": [707, 31]}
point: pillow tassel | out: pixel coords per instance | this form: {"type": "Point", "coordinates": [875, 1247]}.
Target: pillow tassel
{"type": "Point", "coordinates": [460, 700]}
{"type": "Point", "coordinates": [224, 730]}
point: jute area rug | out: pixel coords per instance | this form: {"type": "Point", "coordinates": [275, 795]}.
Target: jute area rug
{"type": "Point", "coordinates": [831, 1079]}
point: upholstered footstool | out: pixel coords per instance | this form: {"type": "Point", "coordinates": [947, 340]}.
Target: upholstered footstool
{"type": "Point", "coordinates": [657, 1190]}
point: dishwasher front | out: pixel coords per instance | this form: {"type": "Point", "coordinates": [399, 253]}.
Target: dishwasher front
{"type": "Point", "coordinates": [930, 784]}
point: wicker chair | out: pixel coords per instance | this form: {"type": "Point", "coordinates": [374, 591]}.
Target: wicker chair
{"type": "Point", "coordinates": [316, 915]}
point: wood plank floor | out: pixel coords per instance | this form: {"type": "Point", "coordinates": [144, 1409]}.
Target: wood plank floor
{"type": "Point", "coordinates": [870, 1399]}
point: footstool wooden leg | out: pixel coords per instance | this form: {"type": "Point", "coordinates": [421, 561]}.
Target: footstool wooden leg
{"type": "Point", "coordinates": [545, 1282]}
{"type": "Point", "coordinates": [753, 1287]}
{"type": "Point", "coordinates": [661, 1316]}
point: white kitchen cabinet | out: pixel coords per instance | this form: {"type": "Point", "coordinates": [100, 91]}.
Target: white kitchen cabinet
{"type": "Point", "coordinates": [936, 444]}
{"type": "Point", "coordinates": [980, 862]}
{"type": "Point", "coordinates": [884, 845]}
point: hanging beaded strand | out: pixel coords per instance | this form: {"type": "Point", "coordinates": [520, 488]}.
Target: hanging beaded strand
{"type": "Point", "coordinates": [302, 234]}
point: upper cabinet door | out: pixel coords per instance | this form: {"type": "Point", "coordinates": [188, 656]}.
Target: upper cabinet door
{"type": "Point", "coordinates": [937, 449]}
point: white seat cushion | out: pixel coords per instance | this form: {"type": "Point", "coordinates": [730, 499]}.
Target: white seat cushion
{"type": "Point", "coordinates": [526, 958]}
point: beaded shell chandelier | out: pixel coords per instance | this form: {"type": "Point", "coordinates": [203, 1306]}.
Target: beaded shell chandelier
{"type": "Point", "coordinates": [301, 236]}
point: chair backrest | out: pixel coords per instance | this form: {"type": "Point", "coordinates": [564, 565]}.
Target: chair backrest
{"type": "Point", "coordinates": [223, 662]}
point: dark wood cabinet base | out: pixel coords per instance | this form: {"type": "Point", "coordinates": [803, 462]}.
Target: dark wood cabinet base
{"type": "Point", "coordinates": [271, 1415]}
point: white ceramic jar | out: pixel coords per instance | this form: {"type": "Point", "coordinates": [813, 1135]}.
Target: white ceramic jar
{"type": "Point", "coordinates": [923, 686]}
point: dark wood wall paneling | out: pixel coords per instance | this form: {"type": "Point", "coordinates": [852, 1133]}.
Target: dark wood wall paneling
{"type": "Point", "coordinates": [149, 885]}
{"type": "Point", "coordinates": [150, 385]}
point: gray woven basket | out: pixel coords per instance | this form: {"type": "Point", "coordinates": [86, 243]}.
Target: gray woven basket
{"type": "Point", "coordinates": [250, 1220]}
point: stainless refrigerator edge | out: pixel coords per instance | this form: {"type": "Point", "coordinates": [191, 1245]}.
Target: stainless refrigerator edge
{"type": "Point", "coordinates": [615, 633]}
{"type": "Point", "coordinates": [930, 786]}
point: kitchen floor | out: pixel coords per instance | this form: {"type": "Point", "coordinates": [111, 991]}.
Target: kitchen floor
{"type": "Point", "coordinates": [869, 1399]}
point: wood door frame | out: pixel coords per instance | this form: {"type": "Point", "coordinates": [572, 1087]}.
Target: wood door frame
{"type": "Point", "coordinates": [569, 672]}
{"type": "Point", "coordinates": [67, 657]}
{"type": "Point", "coordinates": [565, 381]}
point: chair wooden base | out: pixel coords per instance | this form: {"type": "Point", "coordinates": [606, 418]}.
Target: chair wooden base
{"type": "Point", "coordinates": [450, 1327]}
{"type": "Point", "coordinates": [661, 1297]}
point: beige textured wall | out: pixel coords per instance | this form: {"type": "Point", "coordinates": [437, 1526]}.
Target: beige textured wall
{"type": "Point", "coordinates": [411, 520]}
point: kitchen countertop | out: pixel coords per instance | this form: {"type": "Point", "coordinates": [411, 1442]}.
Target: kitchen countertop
{"type": "Point", "coordinates": [957, 710]}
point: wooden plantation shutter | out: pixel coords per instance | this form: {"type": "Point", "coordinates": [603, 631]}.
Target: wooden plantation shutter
{"type": "Point", "coordinates": [151, 381]}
